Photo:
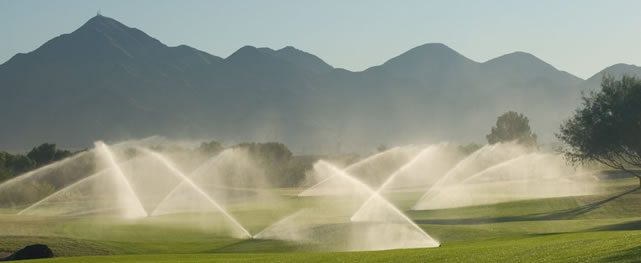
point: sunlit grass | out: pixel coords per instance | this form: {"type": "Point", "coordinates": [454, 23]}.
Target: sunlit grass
{"type": "Point", "coordinates": [519, 231]}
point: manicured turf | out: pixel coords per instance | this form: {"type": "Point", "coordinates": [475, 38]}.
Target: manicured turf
{"type": "Point", "coordinates": [599, 228]}
{"type": "Point", "coordinates": [604, 246]}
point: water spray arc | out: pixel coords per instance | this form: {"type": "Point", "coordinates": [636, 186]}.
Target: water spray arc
{"type": "Point", "coordinates": [348, 168]}
{"type": "Point", "coordinates": [54, 165]}
{"type": "Point", "coordinates": [500, 165]}
{"type": "Point", "coordinates": [390, 179]}
{"type": "Point", "coordinates": [69, 187]}
{"type": "Point", "coordinates": [135, 207]}
{"type": "Point", "coordinates": [178, 186]}
{"type": "Point", "coordinates": [508, 151]}
{"type": "Point", "coordinates": [348, 209]}
{"type": "Point", "coordinates": [386, 227]}
{"type": "Point", "coordinates": [196, 188]}
{"type": "Point", "coordinates": [261, 234]}
{"type": "Point", "coordinates": [355, 181]}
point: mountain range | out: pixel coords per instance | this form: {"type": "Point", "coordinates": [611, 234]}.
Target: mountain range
{"type": "Point", "coordinates": [107, 81]}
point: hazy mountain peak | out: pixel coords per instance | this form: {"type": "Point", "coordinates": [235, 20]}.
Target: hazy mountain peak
{"type": "Point", "coordinates": [426, 60]}
{"type": "Point", "coordinates": [303, 59]}
{"type": "Point", "coordinates": [431, 51]}
{"type": "Point", "coordinates": [104, 33]}
{"type": "Point", "coordinates": [523, 65]}
{"type": "Point", "coordinates": [520, 59]}
{"type": "Point", "coordinates": [434, 46]}
{"type": "Point", "coordinates": [246, 50]}
{"type": "Point", "coordinates": [248, 55]}
{"type": "Point", "coordinates": [622, 68]}
{"type": "Point", "coordinates": [517, 56]}
{"type": "Point", "coordinates": [616, 70]}
{"type": "Point", "coordinates": [289, 49]}
{"type": "Point", "coordinates": [289, 55]}
{"type": "Point", "coordinates": [99, 40]}
{"type": "Point", "coordinates": [99, 21]}
{"type": "Point", "coordinates": [114, 30]}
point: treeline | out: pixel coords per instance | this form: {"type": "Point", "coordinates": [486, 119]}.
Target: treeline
{"type": "Point", "coordinates": [279, 164]}
{"type": "Point", "coordinates": [12, 165]}
{"type": "Point", "coordinates": [281, 167]}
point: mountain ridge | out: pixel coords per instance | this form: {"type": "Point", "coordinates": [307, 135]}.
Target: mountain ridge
{"type": "Point", "coordinates": [108, 81]}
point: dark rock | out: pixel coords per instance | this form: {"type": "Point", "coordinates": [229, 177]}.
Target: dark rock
{"type": "Point", "coordinates": [31, 252]}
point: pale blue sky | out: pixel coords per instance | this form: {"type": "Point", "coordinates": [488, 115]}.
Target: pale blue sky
{"type": "Point", "coordinates": [580, 36]}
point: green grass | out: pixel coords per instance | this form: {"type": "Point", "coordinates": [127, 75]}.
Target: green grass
{"type": "Point", "coordinates": [575, 247]}
{"type": "Point", "coordinates": [599, 228]}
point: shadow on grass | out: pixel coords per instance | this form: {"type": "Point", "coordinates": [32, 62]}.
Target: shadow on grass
{"type": "Point", "coordinates": [257, 245]}
{"type": "Point", "coordinates": [632, 225]}
{"type": "Point", "coordinates": [628, 255]}
{"type": "Point", "coordinates": [556, 215]}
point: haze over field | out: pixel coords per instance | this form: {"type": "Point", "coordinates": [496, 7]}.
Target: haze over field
{"type": "Point", "coordinates": [335, 209]}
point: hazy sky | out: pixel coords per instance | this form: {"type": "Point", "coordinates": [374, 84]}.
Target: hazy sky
{"type": "Point", "coordinates": [581, 37]}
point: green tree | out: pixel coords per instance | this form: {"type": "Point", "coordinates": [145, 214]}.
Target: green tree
{"type": "Point", "coordinates": [469, 148]}
{"type": "Point", "coordinates": [12, 165]}
{"type": "Point", "coordinates": [18, 164]}
{"type": "Point", "coordinates": [274, 158]}
{"type": "Point", "coordinates": [512, 126]}
{"type": "Point", "coordinates": [46, 153]}
{"type": "Point", "coordinates": [211, 148]}
{"type": "Point", "coordinates": [5, 173]}
{"type": "Point", "coordinates": [607, 126]}
{"type": "Point", "coordinates": [382, 148]}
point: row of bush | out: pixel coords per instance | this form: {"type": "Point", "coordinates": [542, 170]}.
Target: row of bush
{"type": "Point", "coordinates": [12, 165]}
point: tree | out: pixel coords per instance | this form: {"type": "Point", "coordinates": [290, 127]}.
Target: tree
{"type": "Point", "coordinates": [46, 153]}
{"type": "Point", "coordinates": [274, 158]}
{"type": "Point", "coordinates": [607, 126]}
{"type": "Point", "coordinates": [274, 152]}
{"type": "Point", "coordinates": [211, 148]}
{"type": "Point", "coordinates": [12, 165]}
{"type": "Point", "coordinates": [512, 126]}
{"type": "Point", "coordinates": [5, 173]}
{"type": "Point", "coordinates": [382, 148]}
{"type": "Point", "coordinates": [469, 148]}
{"type": "Point", "coordinates": [20, 164]}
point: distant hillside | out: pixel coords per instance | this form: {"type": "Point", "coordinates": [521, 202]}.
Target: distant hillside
{"type": "Point", "coordinates": [108, 81]}
{"type": "Point", "coordinates": [616, 70]}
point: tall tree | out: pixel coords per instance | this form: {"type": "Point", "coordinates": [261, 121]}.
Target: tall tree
{"type": "Point", "coordinates": [46, 153]}
{"type": "Point", "coordinates": [512, 126]}
{"type": "Point", "coordinates": [211, 148]}
{"type": "Point", "coordinates": [16, 164]}
{"type": "Point", "coordinates": [607, 127]}
{"type": "Point", "coordinates": [273, 157]}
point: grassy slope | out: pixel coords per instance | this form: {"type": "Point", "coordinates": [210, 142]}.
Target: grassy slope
{"type": "Point", "coordinates": [594, 228]}
{"type": "Point", "coordinates": [604, 246]}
